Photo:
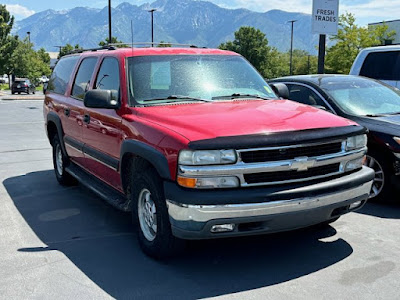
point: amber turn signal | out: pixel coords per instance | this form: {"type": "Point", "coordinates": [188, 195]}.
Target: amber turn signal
{"type": "Point", "coordinates": [187, 182]}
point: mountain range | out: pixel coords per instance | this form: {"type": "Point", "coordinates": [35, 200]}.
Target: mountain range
{"type": "Point", "coordinates": [177, 21]}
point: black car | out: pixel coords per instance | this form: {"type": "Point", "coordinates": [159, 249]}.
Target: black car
{"type": "Point", "coordinates": [23, 85]}
{"type": "Point", "coordinates": [368, 102]}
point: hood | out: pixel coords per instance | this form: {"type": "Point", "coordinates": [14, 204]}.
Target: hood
{"type": "Point", "coordinates": [200, 121]}
{"type": "Point", "coordinates": [389, 124]}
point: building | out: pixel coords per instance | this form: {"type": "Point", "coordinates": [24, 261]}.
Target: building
{"type": "Point", "coordinates": [393, 25]}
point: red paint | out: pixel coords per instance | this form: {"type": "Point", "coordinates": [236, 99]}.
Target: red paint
{"type": "Point", "coordinates": [169, 128]}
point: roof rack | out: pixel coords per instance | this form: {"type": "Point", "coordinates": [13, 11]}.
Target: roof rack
{"type": "Point", "coordinates": [152, 44]}
{"type": "Point", "coordinates": [107, 47]}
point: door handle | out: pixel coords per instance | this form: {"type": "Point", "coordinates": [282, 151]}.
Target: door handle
{"type": "Point", "coordinates": [67, 112]}
{"type": "Point", "coordinates": [86, 118]}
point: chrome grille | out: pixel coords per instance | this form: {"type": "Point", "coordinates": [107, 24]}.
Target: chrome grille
{"type": "Point", "coordinates": [289, 153]}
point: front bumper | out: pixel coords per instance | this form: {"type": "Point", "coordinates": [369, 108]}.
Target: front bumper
{"type": "Point", "coordinates": [279, 210]}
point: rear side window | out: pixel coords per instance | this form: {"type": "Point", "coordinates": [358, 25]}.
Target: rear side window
{"type": "Point", "coordinates": [82, 79]}
{"type": "Point", "coordinates": [62, 72]}
{"type": "Point", "coordinates": [108, 77]}
{"type": "Point", "coordinates": [382, 65]}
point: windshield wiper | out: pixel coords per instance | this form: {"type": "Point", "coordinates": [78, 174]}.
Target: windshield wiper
{"type": "Point", "coordinates": [238, 95]}
{"type": "Point", "coordinates": [382, 115]}
{"type": "Point", "coordinates": [176, 97]}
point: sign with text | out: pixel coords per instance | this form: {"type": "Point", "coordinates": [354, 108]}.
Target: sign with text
{"type": "Point", "coordinates": [325, 16]}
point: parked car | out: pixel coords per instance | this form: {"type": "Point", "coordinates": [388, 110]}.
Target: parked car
{"type": "Point", "coordinates": [381, 63]}
{"type": "Point", "coordinates": [369, 103]}
{"type": "Point", "coordinates": [4, 79]}
{"type": "Point", "coordinates": [196, 145]}
{"type": "Point", "coordinates": [43, 79]}
{"type": "Point", "coordinates": [22, 85]}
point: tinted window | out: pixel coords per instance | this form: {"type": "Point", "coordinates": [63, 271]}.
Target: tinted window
{"type": "Point", "coordinates": [304, 95]}
{"type": "Point", "coordinates": [108, 77]}
{"type": "Point", "coordinates": [82, 80]}
{"type": "Point", "coordinates": [62, 72]}
{"type": "Point", "coordinates": [382, 65]}
{"type": "Point", "coordinates": [207, 77]}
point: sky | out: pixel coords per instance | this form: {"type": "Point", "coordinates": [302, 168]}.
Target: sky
{"type": "Point", "coordinates": [365, 11]}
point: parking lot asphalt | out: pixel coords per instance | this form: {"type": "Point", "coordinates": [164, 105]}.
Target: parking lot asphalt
{"type": "Point", "coordinates": [65, 243]}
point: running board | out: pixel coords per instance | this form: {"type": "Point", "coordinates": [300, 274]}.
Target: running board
{"type": "Point", "coordinates": [103, 190]}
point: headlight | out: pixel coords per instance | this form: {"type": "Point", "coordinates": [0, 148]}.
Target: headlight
{"type": "Point", "coordinates": [356, 142]}
{"type": "Point", "coordinates": [207, 157]}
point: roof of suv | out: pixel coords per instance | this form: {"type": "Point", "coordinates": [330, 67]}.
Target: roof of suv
{"type": "Point", "coordinates": [126, 52]}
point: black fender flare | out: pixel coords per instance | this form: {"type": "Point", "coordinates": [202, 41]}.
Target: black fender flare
{"type": "Point", "coordinates": [154, 157]}
{"type": "Point", "coordinates": [53, 117]}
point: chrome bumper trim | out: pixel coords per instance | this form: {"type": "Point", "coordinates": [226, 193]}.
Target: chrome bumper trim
{"type": "Point", "coordinates": [205, 213]}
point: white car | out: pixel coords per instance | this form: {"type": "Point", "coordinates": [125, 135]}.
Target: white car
{"type": "Point", "coordinates": [43, 79]}
{"type": "Point", "coordinates": [381, 63]}
{"type": "Point", "coordinates": [4, 79]}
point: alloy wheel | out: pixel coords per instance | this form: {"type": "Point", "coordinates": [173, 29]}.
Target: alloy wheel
{"type": "Point", "coordinates": [379, 180]}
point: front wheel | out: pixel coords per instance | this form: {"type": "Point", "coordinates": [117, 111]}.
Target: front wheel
{"type": "Point", "coordinates": [381, 187]}
{"type": "Point", "coordinates": [150, 213]}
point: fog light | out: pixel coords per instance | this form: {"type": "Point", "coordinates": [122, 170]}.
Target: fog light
{"type": "Point", "coordinates": [355, 205]}
{"type": "Point", "coordinates": [222, 228]}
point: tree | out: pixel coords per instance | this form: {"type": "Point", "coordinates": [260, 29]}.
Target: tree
{"type": "Point", "coordinates": [304, 63]}
{"type": "Point", "coordinates": [68, 48]}
{"type": "Point", "coordinates": [8, 43]}
{"type": "Point", "coordinates": [26, 62]}
{"type": "Point", "coordinates": [44, 56]}
{"type": "Point", "coordinates": [114, 40]}
{"type": "Point", "coordinates": [250, 43]}
{"type": "Point", "coordinates": [350, 39]}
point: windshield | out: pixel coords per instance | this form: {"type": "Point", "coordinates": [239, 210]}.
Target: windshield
{"type": "Point", "coordinates": [171, 78]}
{"type": "Point", "coordinates": [361, 96]}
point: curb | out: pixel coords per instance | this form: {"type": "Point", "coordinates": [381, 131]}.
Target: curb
{"type": "Point", "coordinates": [21, 98]}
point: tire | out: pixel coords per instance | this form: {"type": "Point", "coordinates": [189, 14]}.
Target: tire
{"type": "Point", "coordinates": [19, 93]}
{"type": "Point", "coordinates": [381, 187]}
{"type": "Point", "coordinates": [150, 215]}
{"type": "Point", "coordinates": [12, 93]}
{"type": "Point", "coordinates": [60, 161]}
{"type": "Point", "coordinates": [34, 92]}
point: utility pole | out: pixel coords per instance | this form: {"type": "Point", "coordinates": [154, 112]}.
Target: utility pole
{"type": "Point", "coordinates": [291, 47]}
{"type": "Point", "coordinates": [109, 22]}
{"type": "Point", "coordinates": [152, 25]}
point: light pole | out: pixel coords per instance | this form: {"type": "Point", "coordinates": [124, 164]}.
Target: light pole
{"type": "Point", "coordinates": [29, 36]}
{"type": "Point", "coordinates": [152, 25]}
{"type": "Point", "coordinates": [109, 22]}
{"type": "Point", "coordinates": [291, 47]}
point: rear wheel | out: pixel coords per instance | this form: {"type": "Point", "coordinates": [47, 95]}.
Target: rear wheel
{"type": "Point", "coordinates": [150, 213]}
{"type": "Point", "coordinates": [60, 161]}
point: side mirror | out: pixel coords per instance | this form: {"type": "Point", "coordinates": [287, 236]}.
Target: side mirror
{"type": "Point", "coordinates": [280, 89]}
{"type": "Point", "coordinates": [100, 99]}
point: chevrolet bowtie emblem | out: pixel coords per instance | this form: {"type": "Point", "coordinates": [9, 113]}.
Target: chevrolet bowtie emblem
{"type": "Point", "coordinates": [302, 164]}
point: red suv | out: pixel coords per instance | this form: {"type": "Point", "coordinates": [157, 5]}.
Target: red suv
{"type": "Point", "coordinates": [196, 144]}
